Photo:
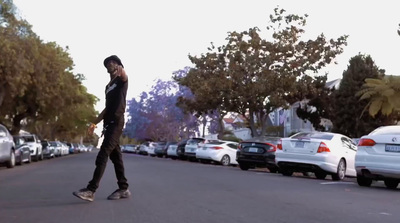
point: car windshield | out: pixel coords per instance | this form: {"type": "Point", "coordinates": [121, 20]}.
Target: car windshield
{"type": "Point", "coordinates": [53, 143]}
{"type": "Point", "coordinates": [387, 130]}
{"type": "Point", "coordinates": [313, 135]}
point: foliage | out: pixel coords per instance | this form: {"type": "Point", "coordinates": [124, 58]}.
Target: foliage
{"type": "Point", "coordinates": [348, 117]}
{"type": "Point", "coordinates": [156, 117]}
{"type": "Point", "coordinates": [383, 94]}
{"type": "Point", "coordinates": [38, 90]}
{"type": "Point", "coordinates": [253, 76]}
{"type": "Point", "coordinates": [317, 104]}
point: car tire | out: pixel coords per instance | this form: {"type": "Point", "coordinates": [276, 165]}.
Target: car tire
{"type": "Point", "coordinates": [244, 166]}
{"type": "Point", "coordinates": [363, 181]}
{"type": "Point", "coordinates": [287, 173]}
{"type": "Point", "coordinates": [391, 183]}
{"type": "Point", "coordinates": [340, 172]}
{"type": "Point", "coordinates": [11, 162]}
{"type": "Point", "coordinates": [320, 175]}
{"type": "Point", "coordinates": [225, 160]}
{"type": "Point", "coordinates": [273, 170]}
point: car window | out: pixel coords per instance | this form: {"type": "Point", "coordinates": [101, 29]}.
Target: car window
{"type": "Point", "coordinates": [214, 143]}
{"type": "Point", "coordinates": [29, 139]}
{"type": "Point", "coordinates": [3, 131]}
{"type": "Point", "coordinates": [233, 146]}
{"type": "Point", "coordinates": [194, 141]}
{"type": "Point", "coordinates": [313, 135]}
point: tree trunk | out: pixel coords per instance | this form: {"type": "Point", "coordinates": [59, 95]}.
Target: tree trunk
{"type": "Point", "coordinates": [253, 128]}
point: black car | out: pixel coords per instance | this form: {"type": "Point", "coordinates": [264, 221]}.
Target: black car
{"type": "Point", "coordinates": [258, 152]}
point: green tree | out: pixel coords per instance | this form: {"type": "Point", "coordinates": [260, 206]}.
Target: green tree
{"type": "Point", "coordinates": [348, 117]}
{"type": "Point", "coordinates": [383, 95]}
{"type": "Point", "coordinates": [253, 76]}
{"type": "Point", "coordinates": [37, 86]}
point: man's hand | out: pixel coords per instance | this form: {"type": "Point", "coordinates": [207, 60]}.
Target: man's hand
{"type": "Point", "coordinates": [120, 72]}
{"type": "Point", "coordinates": [91, 128]}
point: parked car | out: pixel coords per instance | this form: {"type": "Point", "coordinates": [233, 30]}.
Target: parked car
{"type": "Point", "coordinates": [378, 157]}
{"type": "Point", "coordinates": [7, 148]}
{"type": "Point", "coordinates": [22, 151]}
{"type": "Point", "coordinates": [223, 152]}
{"type": "Point", "coordinates": [258, 152]}
{"type": "Point", "coordinates": [34, 144]}
{"type": "Point", "coordinates": [172, 151]}
{"type": "Point", "coordinates": [48, 150]}
{"type": "Point", "coordinates": [57, 148]}
{"type": "Point", "coordinates": [162, 148]}
{"type": "Point", "coordinates": [151, 148]}
{"type": "Point", "coordinates": [143, 148]}
{"type": "Point", "coordinates": [129, 148]}
{"type": "Point", "coordinates": [71, 148]}
{"type": "Point", "coordinates": [322, 153]}
{"type": "Point", "coordinates": [192, 145]}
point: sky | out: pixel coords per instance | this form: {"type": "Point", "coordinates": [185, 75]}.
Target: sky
{"type": "Point", "coordinates": [153, 38]}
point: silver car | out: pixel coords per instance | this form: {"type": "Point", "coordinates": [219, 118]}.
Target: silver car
{"type": "Point", "coordinates": [7, 148]}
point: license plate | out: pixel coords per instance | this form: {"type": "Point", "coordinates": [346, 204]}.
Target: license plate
{"type": "Point", "coordinates": [204, 148]}
{"type": "Point", "coordinates": [392, 148]}
{"type": "Point", "coordinates": [253, 149]}
{"type": "Point", "coordinates": [299, 144]}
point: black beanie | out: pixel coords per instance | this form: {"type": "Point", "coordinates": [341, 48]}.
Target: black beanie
{"type": "Point", "coordinates": [114, 58]}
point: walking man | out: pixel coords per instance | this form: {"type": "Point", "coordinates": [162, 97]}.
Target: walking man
{"type": "Point", "coordinates": [113, 122]}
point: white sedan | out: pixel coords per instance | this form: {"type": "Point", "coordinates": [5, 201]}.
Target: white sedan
{"type": "Point", "coordinates": [223, 152]}
{"type": "Point", "coordinates": [378, 157]}
{"type": "Point", "coordinates": [322, 153]}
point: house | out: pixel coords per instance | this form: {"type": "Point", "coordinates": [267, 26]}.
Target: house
{"type": "Point", "coordinates": [292, 123]}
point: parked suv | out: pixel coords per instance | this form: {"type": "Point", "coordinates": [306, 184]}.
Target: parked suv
{"type": "Point", "coordinates": [34, 145]}
{"type": "Point", "coordinates": [7, 148]}
{"type": "Point", "coordinates": [258, 152]}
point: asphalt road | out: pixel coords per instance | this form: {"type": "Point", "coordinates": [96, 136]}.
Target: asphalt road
{"type": "Point", "coordinates": [172, 191]}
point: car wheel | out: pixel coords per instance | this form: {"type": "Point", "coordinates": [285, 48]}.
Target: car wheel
{"type": "Point", "coordinates": [273, 170]}
{"type": "Point", "coordinates": [320, 175]}
{"type": "Point", "coordinates": [11, 162]}
{"type": "Point", "coordinates": [244, 166]}
{"type": "Point", "coordinates": [287, 173]}
{"type": "Point", "coordinates": [363, 181]}
{"type": "Point", "coordinates": [391, 183]}
{"type": "Point", "coordinates": [19, 162]}
{"type": "Point", "coordinates": [340, 172]}
{"type": "Point", "coordinates": [225, 161]}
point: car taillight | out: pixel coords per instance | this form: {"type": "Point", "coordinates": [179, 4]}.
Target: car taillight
{"type": "Point", "coordinates": [323, 148]}
{"type": "Point", "coordinates": [279, 145]}
{"type": "Point", "coordinates": [216, 147]}
{"type": "Point", "coordinates": [272, 150]}
{"type": "Point", "coordinates": [366, 142]}
{"type": "Point", "coordinates": [239, 147]}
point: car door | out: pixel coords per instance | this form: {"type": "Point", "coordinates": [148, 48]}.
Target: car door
{"type": "Point", "coordinates": [350, 154]}
{"type": "Point", "coordinates": [3, 144]}
{"type": "Point", "coordinates": [232, 148]}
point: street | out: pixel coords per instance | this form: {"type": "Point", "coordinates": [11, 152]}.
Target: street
{"type": "Point", "coordinates": [174, 191]}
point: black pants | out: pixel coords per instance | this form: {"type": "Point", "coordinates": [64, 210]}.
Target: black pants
{"type": "Point", "coordinates": [110, 148]}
